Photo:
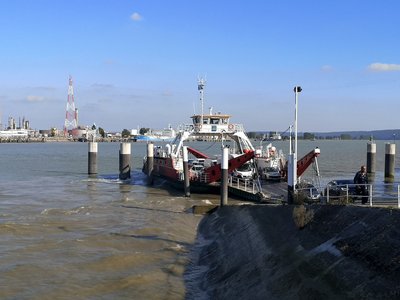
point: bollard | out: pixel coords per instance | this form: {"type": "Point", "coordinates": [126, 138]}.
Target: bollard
{"type": "Point", "coordinates": [150, 163]}
{"type": "Point", "coordinates": [186, 171]}
{"type": "Point", "coordinates": [92, 158]}
{"type": "Point", "coordinates": [224, 177]}
{"type": "Point", "coordinates": [125, 161]}
{"type": "Point", "coordinates": [390, 151]}
{"type": "Point", "coordinates": [371, 158]}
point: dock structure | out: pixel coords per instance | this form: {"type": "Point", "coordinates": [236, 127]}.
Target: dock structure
{"type": "Point", "coordinates": [259, 191]}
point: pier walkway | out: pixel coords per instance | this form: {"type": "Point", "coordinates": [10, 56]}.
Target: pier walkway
{"type": "Point", "coordinates": [257, 190]}
{"type": "Point", "coordinates": [379, 194]}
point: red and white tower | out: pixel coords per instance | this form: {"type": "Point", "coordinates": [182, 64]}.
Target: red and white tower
{"type": "Point", "coordinates": [71, 118]}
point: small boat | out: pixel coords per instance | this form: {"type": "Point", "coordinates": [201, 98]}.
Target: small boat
{"type": "Point", "coordinates": [165, 135]}
{"type": "Point", "coordinates": [204, 170]}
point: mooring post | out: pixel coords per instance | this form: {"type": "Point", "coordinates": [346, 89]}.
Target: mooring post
{"type": "Point", "coordinates": [92, 158]}
{"type": "Point", "coordinates": [371, 158]}
{"type": "Point", "coordinates": [390, 151]}
{"type": "Point", "coordinates": [125, 161]}
{"type": "Point", "coordinates": [150, 163]}
{"type": "Point", "coordinates": [224, 177]}
{"type": "Point", "coordinates": [186, 171]}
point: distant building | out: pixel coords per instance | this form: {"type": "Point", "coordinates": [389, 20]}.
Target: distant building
{"type": "Point", "coordinates": [16, 133]}
{"type": "Point", "coordinates": [166, 134]}
{"type": "Point", "coordinates": [134, 131]}
{"type": "Point", "coordinates": [275, 136]}
{"type": "Point", "coordinates": [21, 131]}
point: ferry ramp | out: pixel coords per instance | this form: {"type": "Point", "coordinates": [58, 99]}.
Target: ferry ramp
{"type": "Point", "coordinates": [258, 190]}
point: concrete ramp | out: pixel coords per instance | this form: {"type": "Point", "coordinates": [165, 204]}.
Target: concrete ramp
{"type": "Point", "coordinates": [296, 252]}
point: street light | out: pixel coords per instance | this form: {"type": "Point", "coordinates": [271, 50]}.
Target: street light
{"type": "Point", "coordinates": [297, 90]}
{"type": "Point", "coordinates": [292, 167]}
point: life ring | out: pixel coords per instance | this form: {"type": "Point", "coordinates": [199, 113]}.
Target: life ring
{"type": "Point", "coordinates": [231, 126]}
{"type": "Point", "coordinates": [198, 127]}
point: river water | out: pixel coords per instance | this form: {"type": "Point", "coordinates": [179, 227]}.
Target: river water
{"type": "Point", "coordinates": [67, 236]}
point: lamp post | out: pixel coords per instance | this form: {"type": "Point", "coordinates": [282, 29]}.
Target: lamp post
{"type": "Point", "coordinates": [297, 90]}
{"type": "Point", "coordinates": [292, 167]}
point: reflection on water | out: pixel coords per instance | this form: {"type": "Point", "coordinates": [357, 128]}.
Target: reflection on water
{"type": "Point", "coordinates": [69, 236]}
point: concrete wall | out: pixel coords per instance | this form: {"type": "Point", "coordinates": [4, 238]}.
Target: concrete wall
{"type": "Point", "coordinates": [296, 252]}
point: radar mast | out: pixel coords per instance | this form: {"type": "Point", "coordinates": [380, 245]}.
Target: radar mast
{"type": "Point", "coordinates": [200, 86]}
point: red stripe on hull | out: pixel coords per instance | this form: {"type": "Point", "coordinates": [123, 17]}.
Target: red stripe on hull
{"type": "Point", "coordinates": [163, 166]}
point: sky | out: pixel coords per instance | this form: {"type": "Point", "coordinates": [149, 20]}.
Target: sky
{"type": "Point", "coordinates": [136, 63]}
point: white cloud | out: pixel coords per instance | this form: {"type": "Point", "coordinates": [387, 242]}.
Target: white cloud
{"type": "Point", "coordinates": [33, 98]}
{"type": "Point", "coordinates": [136, 17]}
{"type": "Point", "coordinates": [167, 93]}
{"type": "Point", "coordinates": [379, 67]}
{"type": "Point", "coordinates": [326, 68]}
{"type": "Point", "coordinates": [102, 85]}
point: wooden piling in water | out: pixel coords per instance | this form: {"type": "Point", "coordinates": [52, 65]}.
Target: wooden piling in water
{"type": "Point", "coordinates": [186, 171]}
{"type": "Point", "coordinates": [371, 158]}
{"type": "Point", "coordinates": [125, 161]}
{"type": "Point", "coordinates": [390, 152]}
{"type": "Point", "coordinates": [150, 163]}
{"type": "Point", "coordinates": [224, 177]}
{"type": "Point", "coordinates": [92, 158]}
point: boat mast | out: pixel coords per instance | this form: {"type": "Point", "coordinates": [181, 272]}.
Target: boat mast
{"type": "Point", "coordinates": [200, 86]}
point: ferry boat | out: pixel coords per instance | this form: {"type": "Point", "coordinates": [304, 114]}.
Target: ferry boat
{"type": "Point", "coordinates": [204, 170]}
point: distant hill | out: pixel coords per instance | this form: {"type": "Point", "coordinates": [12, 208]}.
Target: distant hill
{"type": "Point", "coordinates": [387, 134]}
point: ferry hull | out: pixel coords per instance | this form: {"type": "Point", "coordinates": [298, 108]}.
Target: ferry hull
{"type": "Point", "coordinates": [163, 170]}
{"type": "Point", "coordinates": [207, 182]}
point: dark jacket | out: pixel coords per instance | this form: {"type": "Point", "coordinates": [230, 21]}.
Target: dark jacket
{"type": "Point", "coordinates": [361, 178]}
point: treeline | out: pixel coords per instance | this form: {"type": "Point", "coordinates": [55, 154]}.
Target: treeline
{"type": "Point", "coordinates": [308, 136]}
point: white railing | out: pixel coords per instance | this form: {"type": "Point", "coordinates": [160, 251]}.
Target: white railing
{"type": "Point", "coordinates": [204, 177]}
{"type": "Point", "coordinates": [378, 194]}
{"type": "Point", "coordinates": [237, 127]}
{"type": "Point", "coordinates": [245, 184]}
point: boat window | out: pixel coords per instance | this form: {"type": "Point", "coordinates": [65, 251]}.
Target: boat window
{"type": "Point", "coordinates": [196, 120]}
{"type": "Point", "coordinates": [206, 121]}
{"type": "Point", "coordinates": [244, 168]}
{"type": "Point", "coordinates": [214, 121]}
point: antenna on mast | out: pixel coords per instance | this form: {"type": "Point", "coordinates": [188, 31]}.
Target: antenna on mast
{"type": "Point", "coordinates": [200, 86]}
